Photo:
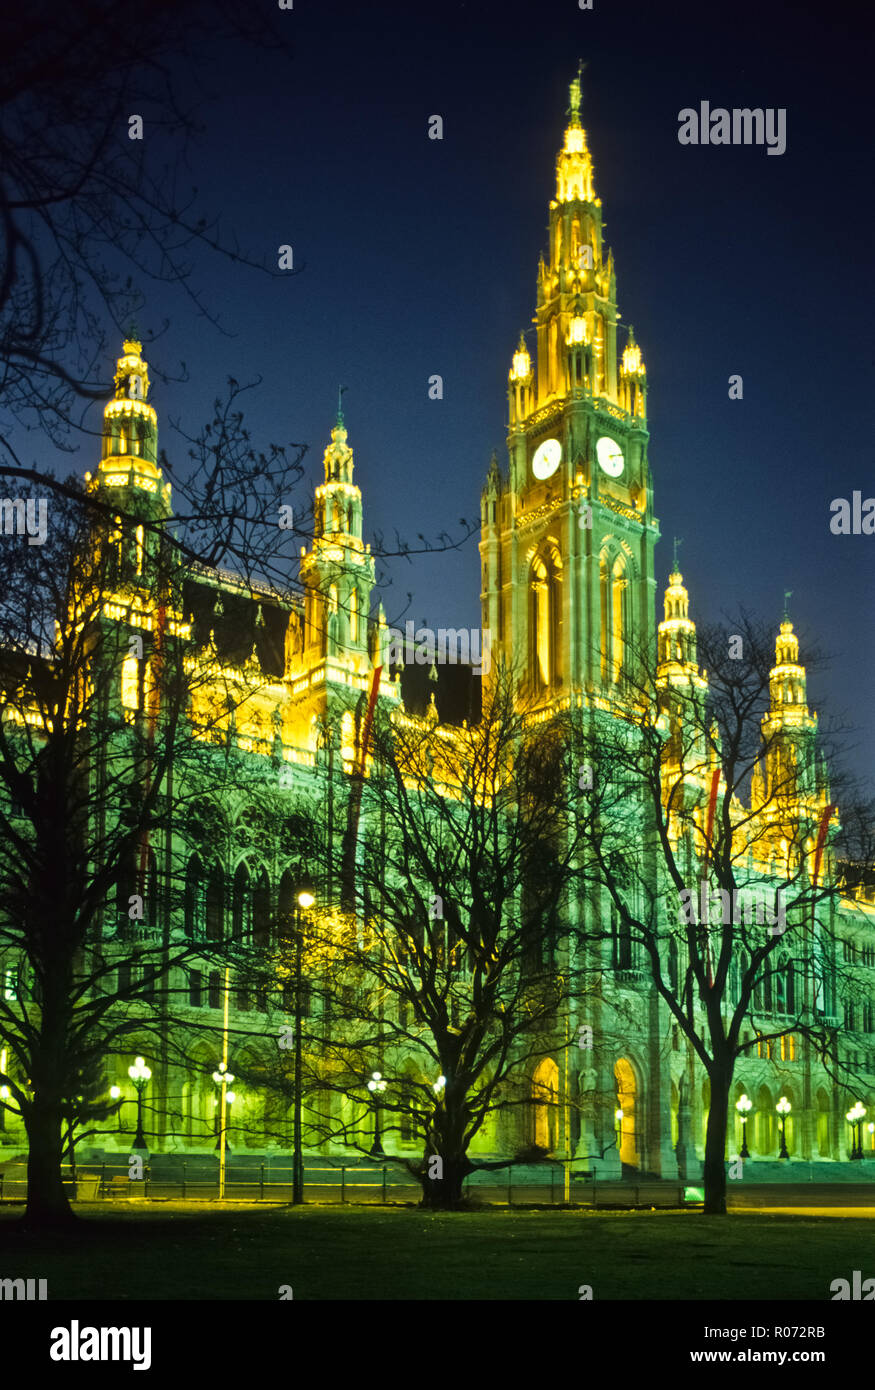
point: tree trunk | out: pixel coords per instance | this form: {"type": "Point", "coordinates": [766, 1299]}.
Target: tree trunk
{"type": "Point", "coordinates": [443, 1192]}
{"type": "Point", "coordinates": [715, 1142]}
{"type": "Point", "coordinates": [47, 1201]}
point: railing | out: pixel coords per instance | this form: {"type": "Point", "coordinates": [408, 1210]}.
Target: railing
{"type": "Point", "coordinates": [534, 1185]}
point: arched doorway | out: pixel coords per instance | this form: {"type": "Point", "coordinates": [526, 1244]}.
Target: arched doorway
{"type": "Point", "coordinates": [765, 1126]}
{"type": "Point", "coordinates": [627, 1089]}
{"type": "Point", "coordinates": [545, 1105]}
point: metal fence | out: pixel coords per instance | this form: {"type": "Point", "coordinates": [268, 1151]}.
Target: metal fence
{"type": "Point", "coordinates": [192, 1181]}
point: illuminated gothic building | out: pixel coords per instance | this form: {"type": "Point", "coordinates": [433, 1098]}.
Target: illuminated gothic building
{"type": "Point", "coordinates": [568, 589]}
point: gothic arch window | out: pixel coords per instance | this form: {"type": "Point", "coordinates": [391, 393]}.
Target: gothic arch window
{"type": "Point", "coordinates": [599, 354]}
{"type": "Point", "coordinates": [765, 1123]}
{"type": "Point", "coordinates": [144, 882]}
{"type": "Point", "coordinates": [354, 615]}
{"type": "Point", "coordinates": [619, 617]}
{"type": "Point", "coordinates": [286, 907]}
{"type": "Point", "coordinates": [241, 905]}
{"type": "Point", "coordinates": [545, 1104]}
{"type": "Point", "coordinates": [673, 972]}
{"type": "Point", "coordinates": [621, 942]}
{"type": "Point", "coordinates": [615, 613]}
{"type": "Point", "coordinates": [627, 1089]}
{"type": "Point", "coordinates": [552, 356]}
{"type": "Point", "coordinates": [194, 898]}
{"type": "Point", "coordinates": [215, 895]}
{"type": "Point", "coordinates": [261, 911]}
{"type": "Point", "coordinates": [784, 986]}
{"type": "Point", "coordinates": [130, 689]}
{"type": "Point", "coordinates": [544, 620]}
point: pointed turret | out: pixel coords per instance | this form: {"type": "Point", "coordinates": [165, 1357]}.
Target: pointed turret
{"type": "Point", "coordinates": [677, 631]}
{"type": "Point", "coordinates": [338, 572]}
{"type": "Point", "coordinates": [128, 474]}
{"type": "Point", "coordinates": [789, 729]}
{"type": "Point", "coordinates": [576, 316]}
{"type": "Point", "coordinates": [633, 378]}
{"type": "Point", "coordinates": [520, 385]}
{"type": "Point", "coordinates": [129, 454]}
{"type": "Point", "coordinates": [681, 688]}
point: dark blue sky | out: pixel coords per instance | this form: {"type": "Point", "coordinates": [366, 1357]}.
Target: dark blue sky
{"type": "Point", "coordinates": [421, 255]}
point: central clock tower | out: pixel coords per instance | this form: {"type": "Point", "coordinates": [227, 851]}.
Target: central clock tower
{"type": "Point", "coordinates": [568, 536]}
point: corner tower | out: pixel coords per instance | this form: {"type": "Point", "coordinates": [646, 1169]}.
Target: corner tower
{"type": "Point", "coordinates": [333, 645]}
{"type": "Point", "coordinates": [568, 536]}
{"type": "Point", "coordinates": [128, 473]}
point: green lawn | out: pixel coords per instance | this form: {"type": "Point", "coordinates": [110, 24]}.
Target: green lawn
{"type": "Point", "coordinates": [172, 1252]}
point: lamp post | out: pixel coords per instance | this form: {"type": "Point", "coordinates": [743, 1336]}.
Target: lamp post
{"type": "Point", "coordinates": [870, 1130]}
{"type": "Point", "coordinates": [854, 1118]}
{"type": "Point", "coordinates": [223, 1079]}
{"type": "Point", "coordinates": [305, 901]}
{"type": "Point", "coordinates": [618, 1129]}
{"type": "Point", "coordinates": [744, 1105]}
{"type": "Point", "coordinates": [376, 1086]}
{"type": "Point", "coordinates": [140, 1074]}
{"type": "Point", "coordinates": [783, 1108]}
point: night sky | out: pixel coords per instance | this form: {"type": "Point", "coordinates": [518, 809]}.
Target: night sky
{"type": "Point", "coordinates": [420, 257]}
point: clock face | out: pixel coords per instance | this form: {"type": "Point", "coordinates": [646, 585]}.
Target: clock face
{"type": "Point", "coordinates": [610, 456]}
{"type": "Point", "coordinates": [546, 459]}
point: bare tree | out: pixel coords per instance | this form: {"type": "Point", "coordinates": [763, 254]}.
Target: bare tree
{"type": "Point", "coordinates": [110, 716]}
{"type": "Point", "coordinates": [449, 974]}
{"type": "Point", "coordinates": [709, 831]}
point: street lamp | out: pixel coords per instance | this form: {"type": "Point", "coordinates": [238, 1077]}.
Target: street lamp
{"type": "Point", "coordinates": [854, 1118]}
{"type": "Point", "coordinates": [783, 1108]}
{"type": "Point", "coordinates": [140, 1074]}
{"type": "Point", "coordinates": [376, 1086]}
{"type": "Point", "coordinates": [114, 1094]}
{"type": "Point", "coordinates": [304, 902]}
{"type": "Point", "coordinates": [223, 1078]}
{"type": "Point", "coordinates": [744, 1105]}
{"type": "Point", "coordinates": [618, 1127]}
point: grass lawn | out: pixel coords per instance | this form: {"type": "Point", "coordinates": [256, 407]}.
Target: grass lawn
{"type": "Point", "coordinates": [176, 1252]}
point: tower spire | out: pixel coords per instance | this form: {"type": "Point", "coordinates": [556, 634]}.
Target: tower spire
{"type": "Point", "coordinates": [340, 391]}
{"type": "Point", "coordinates": [575, 94]}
